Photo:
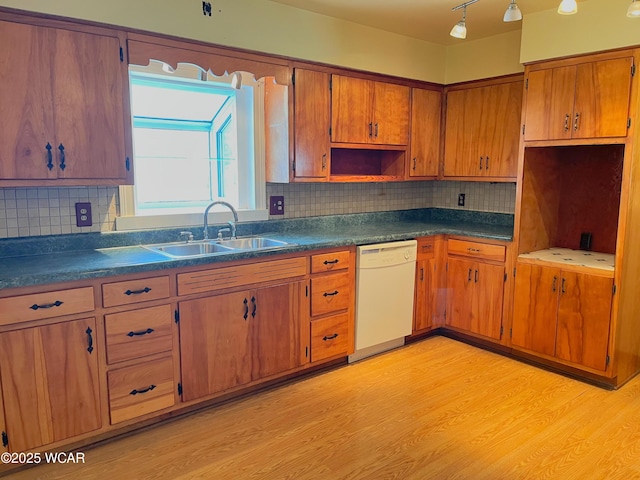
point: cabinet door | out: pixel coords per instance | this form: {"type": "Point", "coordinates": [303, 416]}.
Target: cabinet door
{"type": "Point", "coordinates": [275, 329]}
{"type": "Point", "coordinates": [351, 110]}
{"type": "Point", "coordinates": [462, 133]}
{"type": "Point", "coordinates": [88, 105]}
{"type": "Point", "coordinates": [500, 132]}
{"type": "Point", "coordinates": [26, 99]}
{"type": "Point", "coordinates": [50, 383]}
{"type": "Point", "coordinates": [424, 296]}
{"type": "Point", "coordinates": [461, 299]}
{"type": "Point", "coordinates": [535, 308]}
{"type": "Point", "coordinates": [584, 314]}
{"type": "Point", "coordinates": [426, 107]}
{"type": "Point", "coordinates": [489, 280]}
{"type": "Point", "coordinates": [550, 98]}
{"type": "Point", "coordinates": [215, 345]}
{"type": "Point", "coordinates": [390, 114]}
{"type": "Point", "coordinates": [312, 121]}
{"type": "Point", "coordinates": [602, 98]}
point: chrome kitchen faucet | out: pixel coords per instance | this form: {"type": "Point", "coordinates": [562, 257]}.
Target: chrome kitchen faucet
{"type": "Point", "coordinates": [231, 224]}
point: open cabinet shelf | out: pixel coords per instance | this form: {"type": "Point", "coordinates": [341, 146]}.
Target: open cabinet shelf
{"type": "Point", "coordinates": [362, 165]}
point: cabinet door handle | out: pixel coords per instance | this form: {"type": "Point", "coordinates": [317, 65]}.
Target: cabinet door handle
{"type": "Point", "coordinates": [576, 122]}
{"type": "Point", "coordinates": [246, 309]}
{"type": "Point", "coordinates": [139, 334]}
{"type": "Point", "coordinates": [370, 130]}
{"type": "Point", "coordinates": [327, 294]}
{"type": "Point", "coordinates": [486, 163]}
{"type": "Point", "coordinates": [49, 156]}
{"type": "Point", "coordinates": [35, 306]}
{"type": "Point", "coordinates": [476, 277]}
{"type": "Point", "coordinates": [422, 274]}
{"type": "Point", "coordinates": [324, 161]}
{"type": "Point", "coordinates": [553, 285]}
{"type": "Point", "coordinates": [566, 122]}
{"type": "Point", "coordinates": [481, 162]}
{"type": "Point", "coordinates": [563, 282]}
{"type": "Point", "coordinates": [376, 129]}
{"type": "Point", "coordinates": [144, 390]}
{"type": "Point", "coordinates": [255, 307]}
{"type": "Point", "coordinates": [62, 159]}
{"type": "Point", "coordinates": [415, 161]}
{"type": "Point", "coordinates": [137, 292]}
{"type": "Point", "coordinates": [469, 277]}
{"type": "Point", "coordinates": [331, 262]}
{"type": "Point", "coordinates": [89, 339]}
{"type": "Point", "coordinates": [330, 337]}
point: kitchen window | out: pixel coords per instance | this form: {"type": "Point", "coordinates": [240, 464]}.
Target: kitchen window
{"type": "Point", "coordinates": [197, 138]}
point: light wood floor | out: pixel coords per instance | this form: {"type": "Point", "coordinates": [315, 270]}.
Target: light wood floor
{"type": "Point", "coordinates": [437, 409]}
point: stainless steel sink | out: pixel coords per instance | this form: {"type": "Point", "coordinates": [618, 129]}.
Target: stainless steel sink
{"type": "Point", "coordinates": [254, 243]}
{"type": "Point", "coordinates": [191, 249]}
{"type": "Point", "coordinates": [216, 247]}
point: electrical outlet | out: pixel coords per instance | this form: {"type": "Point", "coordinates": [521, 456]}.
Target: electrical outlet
{"type": "Point", "coordinates": [83, 214]}
{"type": "Point", "coordinates": [461, 200]}
{"type": "Point", "coordinates": [276, 205]}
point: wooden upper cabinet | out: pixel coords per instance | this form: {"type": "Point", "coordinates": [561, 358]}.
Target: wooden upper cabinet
{"type": "Point", "coordinates": [50, 383]}
{"type": "Point", "coordinates": [64, 93]}
{"type": "Point", "coordinates": [587, 100]}
{"type": "Point", "coordinates": [369, 112]}
{"type": "Point", "coordinates": [312, 123]}
{"type": "Point", "coordinates": [426, 113]}
{"type": "Point", "coordinates": [482, 131]}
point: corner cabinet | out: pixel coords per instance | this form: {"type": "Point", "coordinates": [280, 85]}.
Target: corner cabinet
{"type": "Point", "coordinates": [426, 115]}
{"type": "Point", "coordinates": [579, 99]}
{"type": "Point", "coordinates": [65, 91]}
{"type": "Point", "coordinates": [482, 130]}
{"type": "Point", "coordinates": [430, 285]}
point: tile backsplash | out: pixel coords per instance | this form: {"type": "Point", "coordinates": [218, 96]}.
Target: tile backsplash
{"type": "Point", "coordinates": [28, 212]}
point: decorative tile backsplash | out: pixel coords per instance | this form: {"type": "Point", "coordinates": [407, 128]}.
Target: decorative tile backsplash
{"type": "Point", "coordinates": [28, 212]}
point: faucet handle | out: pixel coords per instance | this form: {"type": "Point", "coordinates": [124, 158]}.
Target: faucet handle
{"type": "Point", "coordinates": [187, 235]}
{"type": "Point", "coordinates": [220, 236]}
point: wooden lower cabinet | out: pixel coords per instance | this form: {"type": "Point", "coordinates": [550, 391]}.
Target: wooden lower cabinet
{"type": "Point", "coordinates": [475, 291]}
{"type": "Point", "coordinates": [50, 383]}
{"type": "Point", "coordinates": [232, 339]}
{"type": "Point", "coordinates": [330, 337]}
{"type": "Point", "coordinates": [563, 314]}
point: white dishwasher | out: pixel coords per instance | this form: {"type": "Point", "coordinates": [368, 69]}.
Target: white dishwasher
{"type": "Point", "coordinates": [385, 276]}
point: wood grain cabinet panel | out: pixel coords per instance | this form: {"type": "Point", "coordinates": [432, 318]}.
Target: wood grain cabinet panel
{"type": "Point", "coordinates": [135, 291]}
{"type": "Point", "coordinates": [330, 293]}
{"type": "Point", "coordinates": [38, 306]}
{"type": "Point", "coordinates": [50, 383]}
{"type": "Point", "coordinates": [138, 333]}
{"type": "Point", "coordinates": [329, 337]}
{"type": "Point", "coordinates": [141, 389]}
{"type": "Point", "coordinates": [563, 314]}
{"type": "Point", "coordinates": [426, 115]}
{"type": "Point", "coordinates": [65, 95]}
{"type": "Point", "coordinates": [587, 100]}
{"type": "Point", "coordinates": [329, 262]}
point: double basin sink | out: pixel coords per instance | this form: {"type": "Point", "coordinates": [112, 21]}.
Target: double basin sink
{"type": "Point", "coordinates": [216, 247]}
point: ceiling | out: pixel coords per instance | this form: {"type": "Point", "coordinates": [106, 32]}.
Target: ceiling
{"type": "Point", "coordinates": [429, 20]}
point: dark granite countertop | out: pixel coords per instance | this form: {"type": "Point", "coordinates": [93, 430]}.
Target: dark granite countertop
{"type": "Point", "coordinates": [41, 260]}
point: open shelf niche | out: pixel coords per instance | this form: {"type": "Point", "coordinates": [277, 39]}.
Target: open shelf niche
{"type": "Point", "coordinates": [365, 164]}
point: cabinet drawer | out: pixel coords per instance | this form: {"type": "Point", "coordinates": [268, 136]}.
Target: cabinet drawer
{"type": "Point", "coordinates": [329, 337]}
{"type": "Point", "coordinates": [140, 389]}
{"type": "Point", "coordinates": [134, 291]}
{"type": "Point", "coordinates": [138, 333]}
{"type": "Point", "coordinates": [477, 250]}
{"type": "Point", "coordinates": [329, 262]}
{"type": "Point", "coordinates": [46, 305]}
{"type": "Point", "coordinates": [330, 293]}
{"type": "Point", "coordinates": [426, 249]}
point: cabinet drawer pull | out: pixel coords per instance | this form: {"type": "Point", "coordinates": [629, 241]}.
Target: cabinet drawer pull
{"type": "Point", "coordinates": [137, 292]}
{"type": "Point", "coordinates": [62, 159]}
{"type": "Point", "coordinates": [246, 309]}
{"type": "Point", "coordinates": [474, 250]}
{"type": "Point", "coordinates": [486, 163]}
{"type": "Point", "coordinates": [415, 161]}
{"type": "Point", "coordinates": [327, 294]}
{"type": "Point", "coordinates": [371, 130]}
{"type": "Point", "coordinates": [330, 337]}
{"type": "Point", "coordinates": [481, 162]}
{"type": "Point", "coordinates": [566, 122]}
{"type": "Point", "coordinates": [422, 274]}
{"type": "Point", "coordinates": [553, 285]}
{"type": "Point", "coordinates": [144, 390]}
{"type": "Point", "coordinates": [324, 161]}
{"type": "Point", "coordinates": [139, 334]}
{"type": "Point", "coordinates": [49, 156]}
{"type": "Point", "coordinates": [376, 129]}
{"type": "Point", "coordinates": [89, 339]}
{"type": "Point", "coordinates": [469, 276]}
{"type": "Point", "coordinates": [562, 288]}
{"type": "Point", "coordinates": [255, 307]}
{"type": "Point", "coordinates": [35, 306]}
{"type": "Point", "coordinates": [476, 277]}
{"type": "Point", "coordinates": [331, 262]}
{"type": "Point", "coordinates": [576, 122]}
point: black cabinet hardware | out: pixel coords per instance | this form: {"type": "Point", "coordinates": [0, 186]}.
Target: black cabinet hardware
{"type": "Point", "coordinates": [331, 262]}
{"type": "Point", "coordinates": [35, 306]}
{"type": "Point", "coordinates": [144, 390]}
{"type": "Point", "coordinates": [330, 337]}
{"type": "Point", "coordinates": [255, 307]}
{"type": "Point", "coordinates": [327, 294]}
{"type": "Point", "coordinates": [63, 165]}
{"type": "Point", "coordinates": [246, 309]}
{"type": "Point", "coordinates": [89, 339]}
{"type": "Point", "coordinates": [49, 157]}
{"type": "Point", "coordinates": [139, 334]}
{"type": "Point", "coordinates": [137, 292]}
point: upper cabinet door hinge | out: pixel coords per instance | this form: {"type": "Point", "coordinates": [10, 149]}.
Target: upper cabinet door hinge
{"type": "Point", "coordinates": [629, 123]}
{"type": "Point", "coordinates": [293, 166]}
{"type": "Point", "coordinates": [523, 128]}
{"type": "Point", "coordinates": [633, 70]}
{"type": "Point", "coordinates": [127, 164]}
{"type": "Point", "coordinates": [293, 78]}
{"type": "Point", "coordinates": [121, 54]}
{"type": "Point", "coordinates": [179, 389]}
{"type": "Point", "coordinates": [330, 83]}
{"type": "Point", "coordinates": [176, 316]}
{"type": "Point", "coordinates": [613, 289]}
{"type": "Point", "coordinates": [5, 439]}
{"type": "Point", "coordinates": [526, 84]}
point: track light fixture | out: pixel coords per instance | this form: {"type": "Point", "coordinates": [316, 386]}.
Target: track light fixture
{"type": "Point", "coordinates": [459, 30]}
{"type": "Point", "coordinates": [567, 7]}
{"type": "Point", "coordinates": [634, 9]}
{"type": "Point", "coordinates": [513, 13]}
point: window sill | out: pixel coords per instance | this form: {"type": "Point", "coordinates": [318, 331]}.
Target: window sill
{"type": "Point", "coordinates": [185, 220]}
